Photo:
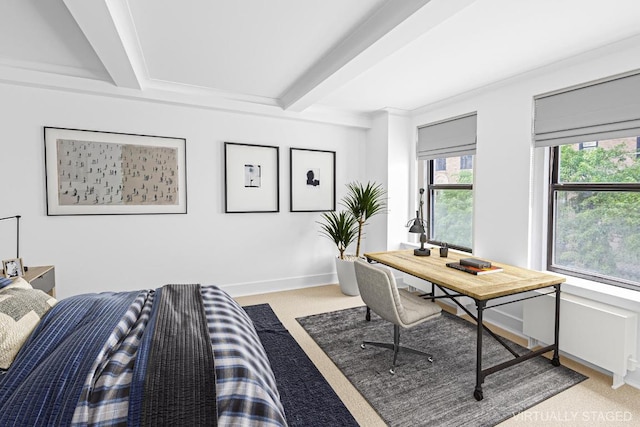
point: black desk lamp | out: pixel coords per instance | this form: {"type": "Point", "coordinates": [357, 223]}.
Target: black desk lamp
{"type": "Point", "coordinates": [17, 217]}
{"type": "Point", "coordinates": [420, 226]}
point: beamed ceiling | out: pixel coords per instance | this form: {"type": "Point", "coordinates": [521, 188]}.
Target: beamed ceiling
{"type": "Point", "coordinates": [332, 60]}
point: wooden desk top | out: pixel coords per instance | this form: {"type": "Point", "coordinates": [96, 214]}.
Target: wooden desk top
{"type": "Point", "coordinates": [432, 268]}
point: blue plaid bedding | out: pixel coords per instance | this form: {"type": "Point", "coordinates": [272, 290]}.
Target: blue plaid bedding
{"type": "Point", "coordinates": [242, 366]}
{"type": "Point", "coordinates": [92, 344]}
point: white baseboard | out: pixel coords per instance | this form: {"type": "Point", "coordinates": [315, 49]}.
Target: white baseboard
{"type": "Point", "coordinates": [278, 285]}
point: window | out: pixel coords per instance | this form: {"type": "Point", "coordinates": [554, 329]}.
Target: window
{"type": "Point", "coordinates": [594, 209]}
{"type": "Point", "coordinates": [445, 149]}
{"type": "Point", "coordinates": [449, 201]}
{"type": "Point", "coordinates": [466, 162]}
{"type": "Point", "coordinates": [587, 145]}
{"type": "Point", "coordinates": [594, 216]}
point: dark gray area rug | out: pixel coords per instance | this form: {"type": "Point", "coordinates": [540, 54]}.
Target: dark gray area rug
{"type": "Point", "coordinates": [307, 398]}
{"type": "Point", "coordinates": [438, 393]}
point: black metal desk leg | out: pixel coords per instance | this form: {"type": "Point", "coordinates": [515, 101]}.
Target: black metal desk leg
{"type": "Point", "coordinates": [556, 351]}
{"type": "Point", "coordinates": [368, 315]}
{"type": "Point", "coordinates": [479, 376]}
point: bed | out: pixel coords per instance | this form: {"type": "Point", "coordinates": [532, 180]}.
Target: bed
{"type": "Point", "coordinates": [176, 355]}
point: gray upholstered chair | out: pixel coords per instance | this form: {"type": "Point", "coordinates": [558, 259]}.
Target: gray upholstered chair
{"type": "Point", "coordinates": [403, 309]}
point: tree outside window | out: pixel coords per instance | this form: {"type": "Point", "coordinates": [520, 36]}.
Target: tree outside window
{"type": "Point", "coordinates": [595, 230]}
{"type": "Point", "coordinates": [450, 201]}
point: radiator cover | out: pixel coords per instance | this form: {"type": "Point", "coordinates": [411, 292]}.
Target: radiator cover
{"type": "Point", "coordinates": [598, 333]}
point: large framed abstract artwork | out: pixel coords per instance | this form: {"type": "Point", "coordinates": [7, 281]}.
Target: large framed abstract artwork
{"type": "Point", "coordinates": [313, 180]}
{"type": "Point", "coordinates": [107, 173]}
{"type": "Point", "coordinates": [252, 178]}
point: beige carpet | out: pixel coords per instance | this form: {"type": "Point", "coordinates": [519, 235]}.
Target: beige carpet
{"type": "Point", "coordinates": [592, 402]}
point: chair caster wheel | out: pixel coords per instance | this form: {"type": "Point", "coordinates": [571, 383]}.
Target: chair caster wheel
{"type": "Point", "coordinates": [430, 359]}
{"type": "Point", "coordinates": [362, 346]}
{"type": "Point", "coordinates": [478, 395]}
{"type": "Point", "coordinates": [392, 371]}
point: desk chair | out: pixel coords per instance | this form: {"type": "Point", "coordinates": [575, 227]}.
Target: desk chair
{"type": "Point", "coordinates": [379, 291]}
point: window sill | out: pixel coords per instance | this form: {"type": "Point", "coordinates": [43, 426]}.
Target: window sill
{"type": "Point", "coordinates": [608, 294]}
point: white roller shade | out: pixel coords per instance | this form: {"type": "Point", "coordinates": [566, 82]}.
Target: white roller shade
{"type": "Point", "coordinates": [599, 110]}
{"type": "Point", "coordinates": [448, 138]}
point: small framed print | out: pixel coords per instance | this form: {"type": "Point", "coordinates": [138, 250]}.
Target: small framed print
{"type": "Point", "coordinates": [313, 180]}
{"type": "Point", "coordinates": [252, 178]}
{"type": "Point", "coordinates": [13, 267]}
{"type": "Point", "coordinates": [107, 173]}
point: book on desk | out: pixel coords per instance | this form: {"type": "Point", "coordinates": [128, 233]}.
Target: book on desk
{"type": "Point", "coordinates": [475, 262]}
{"type": "Point", "coordinates": [474, 270]}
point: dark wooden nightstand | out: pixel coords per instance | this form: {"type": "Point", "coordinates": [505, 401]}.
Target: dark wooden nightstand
{"type": "Point", "coordinates": [43, 278]}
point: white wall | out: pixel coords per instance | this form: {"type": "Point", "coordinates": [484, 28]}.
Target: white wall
{"type": "Point", "coordinates": [390, 161]}
{"type": "Point", "coordinates": [244, 253]}
{"type": "Point", "coordinates": [403, 196]}
{"type": "Point", "coordinates": [509, 187]}
{"type": "Point", "coordinates": [375, 234]}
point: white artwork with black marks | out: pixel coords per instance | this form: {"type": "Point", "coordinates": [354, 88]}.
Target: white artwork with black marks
{"type": "Point", "coordinates": [103, 173]}
{"type": "Point", "coordinates": [252, 176]}
{"type": "Point", "coordinates": [313, 180]}
{"type": "Point", "coordinates": [313, 177]}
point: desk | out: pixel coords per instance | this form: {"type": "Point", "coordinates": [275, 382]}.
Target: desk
{"type": "Point", "coordinates": [482, 289]}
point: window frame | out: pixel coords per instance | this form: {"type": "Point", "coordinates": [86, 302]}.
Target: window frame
{"type": "Point", "coordinates": [555, 186]}
{"type": "Point", "coordinates": [432, 187]}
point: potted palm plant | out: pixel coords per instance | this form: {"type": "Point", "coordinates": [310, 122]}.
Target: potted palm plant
{"type": "Point", "coordinates": [346, 227]}
{"type": "Point", "coordinates": [342, 229]}
{"type": "Point", "coordinates": [364, 201]}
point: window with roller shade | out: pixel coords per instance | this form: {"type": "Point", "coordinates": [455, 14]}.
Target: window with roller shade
{"type": "Point", "coordinates": [446, 149]}
{"type": "Point", "coordinates": [594, 191]}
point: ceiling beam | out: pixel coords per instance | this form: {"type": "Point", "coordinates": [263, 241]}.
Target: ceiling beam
{"type": "Point", "coordinates": [108, 27]}
{"type": "Point", "coordinates": [393, 26]}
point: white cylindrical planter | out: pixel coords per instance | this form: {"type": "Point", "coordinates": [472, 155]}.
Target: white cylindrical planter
{"type": "Point", "coordinates": [347, 275]}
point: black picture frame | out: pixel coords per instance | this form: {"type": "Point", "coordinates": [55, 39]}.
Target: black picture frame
{"type": "Point", "coordinates": [91, 172]}
{"type": "Point", "coordinates": [312, 181]}
{"type": "Point", "coordinates": [252, 178]}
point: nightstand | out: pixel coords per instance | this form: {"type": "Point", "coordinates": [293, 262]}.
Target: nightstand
{"type": "Point", "coordinates": [43, 278]}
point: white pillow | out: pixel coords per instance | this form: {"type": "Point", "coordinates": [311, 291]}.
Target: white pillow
{"type": "Point", "coordinates": [21, 308]}
{"type": "Point", "coordinates": [18, 282]}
